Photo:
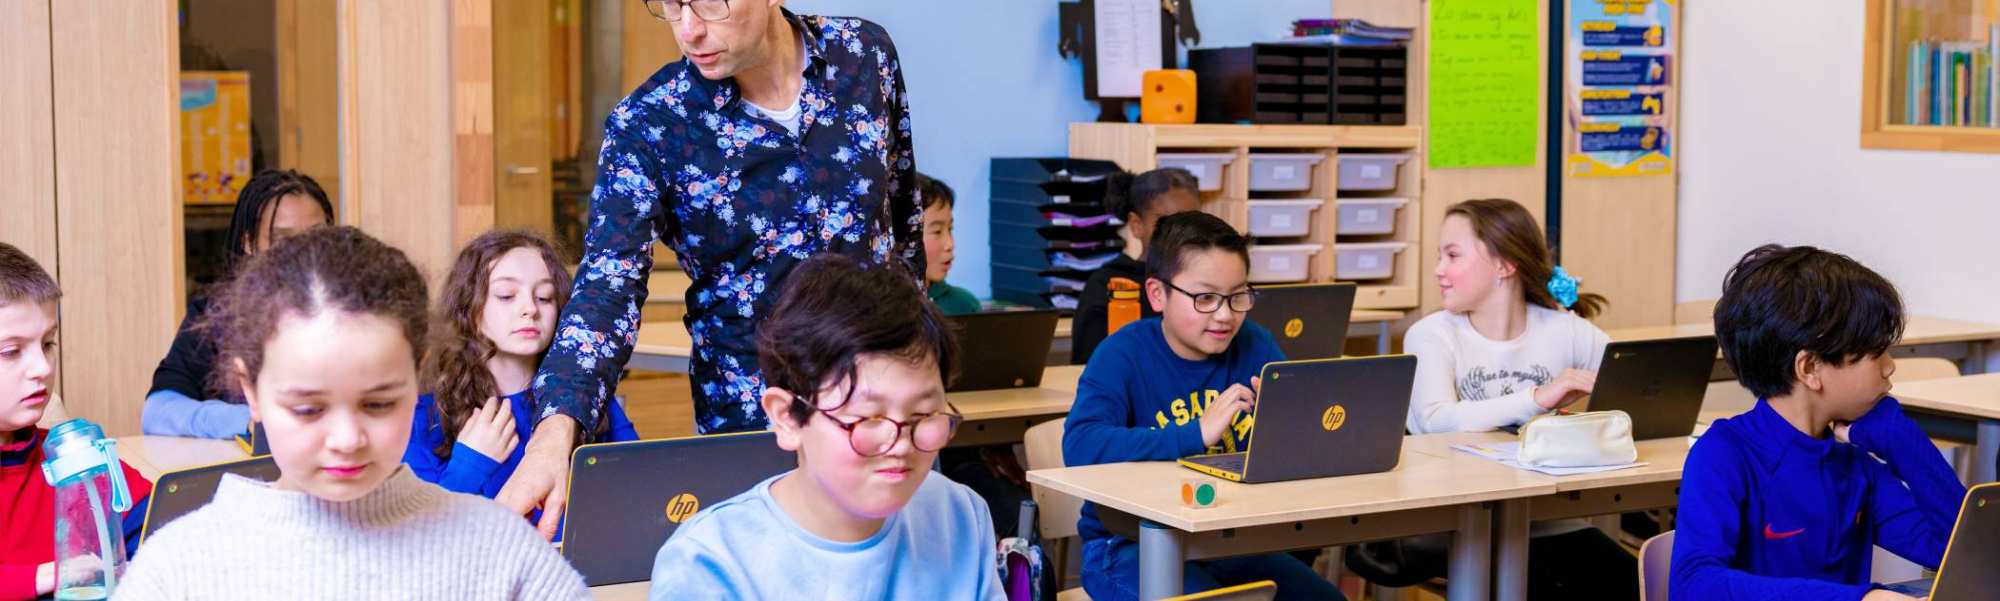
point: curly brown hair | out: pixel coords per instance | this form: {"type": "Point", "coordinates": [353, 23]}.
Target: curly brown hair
{"type": "Point", "coordinates": [456, 375]}
{"type": "Point", "coordinates": [1511, 234]}
{"type": "Point", "coordinates": [335, 268]}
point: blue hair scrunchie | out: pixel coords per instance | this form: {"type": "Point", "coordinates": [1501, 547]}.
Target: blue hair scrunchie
{"type": "Point", "coordinates": [1563, 287]}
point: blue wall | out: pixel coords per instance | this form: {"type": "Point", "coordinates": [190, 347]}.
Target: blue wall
{"type": "Point", "coordinates": [985, 81]}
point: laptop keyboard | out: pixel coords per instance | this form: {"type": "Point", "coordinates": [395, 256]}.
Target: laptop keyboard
{"type": "Point", "coordinates": [1228, 462]}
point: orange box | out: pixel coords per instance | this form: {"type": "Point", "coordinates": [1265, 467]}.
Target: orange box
{"type": "Point", "coordinates": [1167, 96]}
{"type": "Point", "coordinates": [215, 135]}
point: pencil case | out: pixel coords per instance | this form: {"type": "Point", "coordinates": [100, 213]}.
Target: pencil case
{"type": "Point", "coordinates": [1586, 439]}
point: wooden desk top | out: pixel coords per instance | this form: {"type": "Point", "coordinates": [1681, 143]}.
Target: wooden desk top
{"type": "Point", "coordinates": [1664, 458]}
{"type": "Point", "coordinates": [1920, 330]}
{"type": "Point", "coordinates": [1015, 402]}
{"type": "Point", "coordinates": [155, 455]}
{"type": "Point", "coordinates": [1151, 490]}
{"type": "Point", "coordinates": [1976, 396]}
{"type": "Point", "coordinates": [630, 591]}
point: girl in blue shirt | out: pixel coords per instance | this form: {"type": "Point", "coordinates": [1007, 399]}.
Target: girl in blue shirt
{"type": "Point", "coordinates": [495, 317]}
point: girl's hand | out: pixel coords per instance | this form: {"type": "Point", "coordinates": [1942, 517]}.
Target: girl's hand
{"type": "Point", "coordinates": [490, 431]}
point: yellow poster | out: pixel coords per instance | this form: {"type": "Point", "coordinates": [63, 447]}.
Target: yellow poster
{"type": "Point", "coordinates": [215, 135]}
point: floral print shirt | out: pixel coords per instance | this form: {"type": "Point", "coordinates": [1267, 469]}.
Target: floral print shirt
{"type": "Point", "coordinates": [687, 162]}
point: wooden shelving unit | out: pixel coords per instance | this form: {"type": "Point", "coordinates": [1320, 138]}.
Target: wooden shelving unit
{"type": "Point", "coordinates": [1892, 26]}
{"type": "Point", "coordinates": [1136, 148]}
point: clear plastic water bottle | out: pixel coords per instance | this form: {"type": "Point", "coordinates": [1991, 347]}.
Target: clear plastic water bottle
{"type": "Point", "coordinates": [91, 496]}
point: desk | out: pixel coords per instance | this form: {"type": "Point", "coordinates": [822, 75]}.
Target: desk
{"type": "Point", "coordinates": [1425, 494]}
{"type": "Point", "coordinates": [1004, 416]}
{"type": "Point", "coordinates": [1973, 399]}
{"type": "Point", "coordinates": [666, 345]}
{"type": "Point", "coordinates": [630, 591]}
{"type": "Point", "coordinates": [155, 455]}
{"type": "Point", "coordinates": [1652, 486]}
{"type": "Point", "coordinates": [1962, 341]}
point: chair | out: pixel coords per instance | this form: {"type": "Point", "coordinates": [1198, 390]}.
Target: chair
{"type": "Point", "coordinates": [1912, 369]}
{"type": "Point", "coordinates": [1695, 311]}
{"type": "Point", "coordinates": [1059, 511]}
{"type": "Point", "coordinates": [1654, 562]}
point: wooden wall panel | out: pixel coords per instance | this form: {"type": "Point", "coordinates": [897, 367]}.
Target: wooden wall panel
{"type": "Point", "coordinates": [523, 111]}
{"type": "Point", "coordinates": [27, 152]}
{"type": "Point", "coordinates": [472, 118]}
{"type": "Point", "coordinates": [117, 181]}
{"type": "Point", "coordinates": [397, 141]}
{"type": "Point", "coordinates": [649, 44]}
{"type": "Point", "coordinates": [309, 91]}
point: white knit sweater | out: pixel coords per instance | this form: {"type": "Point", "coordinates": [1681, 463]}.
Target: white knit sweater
{"type": "Point", "coordinates": [409, 539]}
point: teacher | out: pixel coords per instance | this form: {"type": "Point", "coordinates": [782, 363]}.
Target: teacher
{"type": "Point", "coordinates": [777, 137]}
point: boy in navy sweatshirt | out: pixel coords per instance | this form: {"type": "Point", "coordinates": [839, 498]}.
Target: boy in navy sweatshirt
{"type": "Point", "coordinates": [1176, 385]}
{"type": "Point", "coordinates": [1785, 501]}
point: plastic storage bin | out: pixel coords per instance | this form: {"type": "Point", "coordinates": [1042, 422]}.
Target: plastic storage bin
{"type": "Point", "coordinates": [1361, 260]}
{"type": "Point", "coordinates": [1280, 263]}
{"type": "Point", "coordinates": [1368, 216]}
{"type": "Point", "coordinates": [1282, 172]}
{"type": "Point", "coordinates": [1206, 167]}
{"type": "Point", "coordinates": [1370, 171]}
{"type": "Point", "coordinates": [1282, 218]}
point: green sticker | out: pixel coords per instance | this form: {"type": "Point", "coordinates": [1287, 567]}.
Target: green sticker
{"type": "Point", "coordinates": [590, 461]}
{"type": "Point", "coordinates": [1204, 494]}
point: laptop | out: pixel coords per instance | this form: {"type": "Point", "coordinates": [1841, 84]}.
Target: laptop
{"type": "Point", "coordinates": [1322, 417]}
{"type": "Point", "coordinates": [179, 493]}
{"type": "Point", "coordinates": [1011, 346]}
{"type": "Point", "coordinates": [1660, 383]}
{"type": "Point", "coordinates": [626, 498]}
{"type": "Point", "coordinates": [1309, 321]}
{"type": "Point", "coordinates": [1967, 570]}
{"type": "Point", "coordinates": [254, 443]}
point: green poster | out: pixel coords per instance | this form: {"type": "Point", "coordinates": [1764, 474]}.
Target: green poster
{"type": "Point", "coordinates": [1485, 68]}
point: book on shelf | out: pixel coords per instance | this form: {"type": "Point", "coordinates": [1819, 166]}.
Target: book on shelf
{"type": "Point", "coordinates": [1953, 83]}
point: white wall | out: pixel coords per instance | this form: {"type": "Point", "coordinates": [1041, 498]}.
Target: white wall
{"type": "Point", "coordinates": [985, 81]}
{"type": "Point", "coordinates": [1771, 153]}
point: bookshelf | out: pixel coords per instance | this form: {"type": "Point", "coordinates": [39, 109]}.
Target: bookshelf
{"type": "Point", "coordinates": [1136, 147]}
{"type": "Point", "coordinates": [1950, 103]}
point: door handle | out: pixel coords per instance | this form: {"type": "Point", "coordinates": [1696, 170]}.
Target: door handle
{"type": "Point", "coordinates": [518, 170]}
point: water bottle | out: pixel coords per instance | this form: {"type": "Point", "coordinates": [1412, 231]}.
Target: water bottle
{"type": "Point", "coordinates": [1124, 306]}
{"type": "Point", "coordinates": [83, 467]}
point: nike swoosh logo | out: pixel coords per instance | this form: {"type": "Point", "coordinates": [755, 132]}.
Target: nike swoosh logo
{"type": "Point", "coordinates": [1773, 535]}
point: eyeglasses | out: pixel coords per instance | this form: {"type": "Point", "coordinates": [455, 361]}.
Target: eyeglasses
{"type": "Point", "coordinates": [706, 10]}
{"type": "Point", "coordinates": [874, 436]}
{"type": "Point", "coordinates": [1210, 302]}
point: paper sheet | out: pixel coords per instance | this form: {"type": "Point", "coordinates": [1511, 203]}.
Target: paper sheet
{"type": "Point", "coordinates": [1507, 452]}
{"type": "Point", "coordinates": [1128, 45]}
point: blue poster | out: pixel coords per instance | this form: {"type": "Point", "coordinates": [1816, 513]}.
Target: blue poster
{"type": "Point", "coordinates": [1620, 65]}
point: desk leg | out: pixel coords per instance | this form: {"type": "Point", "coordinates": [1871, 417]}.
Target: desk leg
{"type": "Point", "coordinates": [1471, 571]}
{"type": "Point", "coordinates": [1510, 574]}
{"type": "Point", "coordinates": [1381, 338]}
{"type": "Point", "coordinates": [1161, 559]}
{"type": "Point", "coordinates": [1986, 452]}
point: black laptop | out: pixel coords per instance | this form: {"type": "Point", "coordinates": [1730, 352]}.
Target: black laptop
{"type": "Point", "coordinates": [1322, 417]}
{"type": "Point", "coordinates": [179, 493]}
{"type": "Point", "coordinates": [1003, 349]}
{"type": "Point", "coordinates": [1660, 383]}
{"type": "Point", "coordinates": [1308, 320]}
{"type": "Point", "coordinates": [626, 498]}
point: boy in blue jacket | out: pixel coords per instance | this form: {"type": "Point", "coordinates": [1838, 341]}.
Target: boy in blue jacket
{"type": "Point", "coordinates": [1785, 501]}
{"type": "Point", "coordinates": [1176, 385]}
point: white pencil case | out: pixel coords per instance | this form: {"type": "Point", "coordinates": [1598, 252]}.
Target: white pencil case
{"type": "Point", "coordinates": [1587, 439]}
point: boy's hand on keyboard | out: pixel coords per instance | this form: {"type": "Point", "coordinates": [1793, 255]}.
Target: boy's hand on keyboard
{"type": "Point", "coordinates": [1220, 414]}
